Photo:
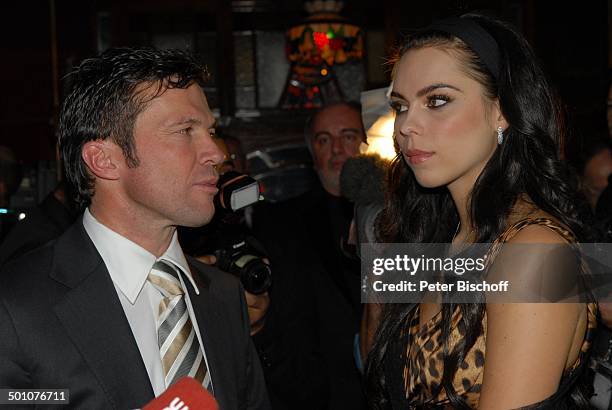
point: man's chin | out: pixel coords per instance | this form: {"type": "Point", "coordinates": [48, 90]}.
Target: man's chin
{"type": "Point", "coordinates": [195, 221]}
{"type": "Point", "coordinates": [330, 182]}
{"type": "Point", "coordinates": [336, 167]}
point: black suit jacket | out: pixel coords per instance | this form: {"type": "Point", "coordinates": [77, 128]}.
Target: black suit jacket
{"type": "Point", "coordinates": [62, 326]}
{"type": "Point", "coordinates": [315, 305]}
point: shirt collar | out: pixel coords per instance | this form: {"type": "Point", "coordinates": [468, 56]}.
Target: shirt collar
{"type": "Point", "coordinates": [128, 263]}
{"type": "Point", "coordinates": [175, 255]}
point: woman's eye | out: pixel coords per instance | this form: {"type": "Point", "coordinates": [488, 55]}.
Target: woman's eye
{"type": "Point", "coordinates": [185, 130]}
{"type": "Point", "coordinates": [436, 101]}
{"type": "Point", "coordinates": [398, 107]}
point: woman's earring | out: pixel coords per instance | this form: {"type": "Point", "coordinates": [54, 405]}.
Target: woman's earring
{"type": "Point", "coordinates": [500, 135]}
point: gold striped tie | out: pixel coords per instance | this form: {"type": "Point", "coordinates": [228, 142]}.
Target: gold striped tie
{"type": "Point", "coordinates": [179, 347]}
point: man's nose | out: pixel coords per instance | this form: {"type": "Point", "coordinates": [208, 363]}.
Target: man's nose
{"type": "Point", "coordinates": [337, 145]}
{"type": "Point", "coordinates": [210, 153]}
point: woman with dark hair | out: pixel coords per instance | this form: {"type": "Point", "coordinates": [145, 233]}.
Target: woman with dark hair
{"type": "Point", "coordinates": [478, 131]}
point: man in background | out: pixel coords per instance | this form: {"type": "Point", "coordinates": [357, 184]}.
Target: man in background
{"type": "Point", "coordinates": [595, 170]}
{"type": "Point", "coordinates": [315, 296]}
{"type": "Point", "coordinates": [10, 178]}
{"type": "Point", "coordinates": [44, 223]}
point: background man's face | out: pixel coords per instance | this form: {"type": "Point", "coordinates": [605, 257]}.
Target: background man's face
{"type": "Point", "coordinates": [337, 133]}
{"type": "Point", "coordinates": [175, 180]}
{"type": "Point", "coordinates": [595, 175]}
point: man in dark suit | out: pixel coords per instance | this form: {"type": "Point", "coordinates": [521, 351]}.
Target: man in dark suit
{"type": "Point", "coordinates": [44, 223]}
{"type": "Point", "coordinates": [113, 310]}
{"type": "Point", "coordinates": [316, 302]}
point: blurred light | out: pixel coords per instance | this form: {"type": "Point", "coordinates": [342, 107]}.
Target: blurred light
{"type": "Point", "coordinates": [3, 211]}
{"type": "Point", "coordinates": [383, 126]}
{"type": "Point", "coordinates": [323, 39]}
{"type": "Point", "coordinates": [21, 216]}
{"type": "Point", "coordinates": [320, 39]}
{"type": "Point", "coordinates": [381, 146]}
{"type": "Point", "coordinates": [380, 137]}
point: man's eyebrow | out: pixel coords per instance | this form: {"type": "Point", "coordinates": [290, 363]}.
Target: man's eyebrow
{"type": "Point", "coordinates": [320, 133]}
{"type": "Point", "coordinates": [185, 121]}
{"type": "Point", "coordinates": [356, 130]}
{"type": "Point", "coordinates": [426, 90]}
{"type": "Point", "coordinates": [349, 129]}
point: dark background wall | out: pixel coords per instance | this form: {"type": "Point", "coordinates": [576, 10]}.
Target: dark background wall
{"type": "Point", "coordinates": [42, 39]}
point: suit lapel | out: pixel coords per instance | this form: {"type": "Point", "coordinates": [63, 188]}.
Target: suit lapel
{"type": "Point", "coordinates": [94, 319]}
{"type": "Point", "coordinates": [210, 322]}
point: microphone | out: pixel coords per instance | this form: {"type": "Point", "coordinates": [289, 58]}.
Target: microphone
{"type": "Point", "coordinates": [362, 181]}
{"type": "Point", "coordinates": [185, 394]}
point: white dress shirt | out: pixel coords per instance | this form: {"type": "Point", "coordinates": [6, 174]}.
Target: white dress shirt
{"type": "Point", "coordinates": [129, 265]}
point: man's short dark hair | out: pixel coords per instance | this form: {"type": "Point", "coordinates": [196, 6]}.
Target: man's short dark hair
{"type": "Point", "coordinates": [308, 133]}
{"type": "Point", "coordinates": [108, 93]}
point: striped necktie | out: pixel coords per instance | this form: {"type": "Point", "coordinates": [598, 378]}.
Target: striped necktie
{"type": "Point", "coordinates": [179, 347]}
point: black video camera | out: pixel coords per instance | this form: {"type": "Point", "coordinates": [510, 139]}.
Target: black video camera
{"type": "Point", "coordinates": [243, 260]}
{"type": "Point", "coordinates": [227, 236]}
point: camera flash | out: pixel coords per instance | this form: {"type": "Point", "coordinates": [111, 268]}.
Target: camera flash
{"type": "Point", "coordinates": [244, 196]}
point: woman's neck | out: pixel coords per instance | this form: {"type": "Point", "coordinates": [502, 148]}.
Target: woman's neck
{"type": "Point", "coordinates": [522, 208]}
{"type": "Point", "coordinates": [461, 198]}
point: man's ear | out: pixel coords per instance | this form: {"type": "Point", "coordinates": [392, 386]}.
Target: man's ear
{"type": "Point", "coordinates": [102, 158]}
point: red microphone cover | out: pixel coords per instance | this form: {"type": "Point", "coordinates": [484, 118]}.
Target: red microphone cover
{"type": "Point", "coordinates": [186, 394]}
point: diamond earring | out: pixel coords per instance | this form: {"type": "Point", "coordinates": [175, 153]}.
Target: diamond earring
{"type": "Point", "coordinates": [500, 135]}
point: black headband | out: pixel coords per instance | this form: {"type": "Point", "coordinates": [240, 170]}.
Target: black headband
{"type": "Point", "coordinates": [476, 38]}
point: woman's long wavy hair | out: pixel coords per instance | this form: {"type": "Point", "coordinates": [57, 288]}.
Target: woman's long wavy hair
{"type": "Point", "coordinates": [527, 163]}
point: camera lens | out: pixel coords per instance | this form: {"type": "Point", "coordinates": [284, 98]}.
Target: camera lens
{"type": "Point", "coordinates": [256, 276]}
{"type": "Point", "coordinates": [246, 263]}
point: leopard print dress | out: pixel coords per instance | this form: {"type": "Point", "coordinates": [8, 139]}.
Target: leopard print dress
{"type": "Point", "coordinates": [421, 355]}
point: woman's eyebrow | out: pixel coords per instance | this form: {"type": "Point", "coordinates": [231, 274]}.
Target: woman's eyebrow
{"type": "Point", "coordinates": [426, 90]}
{"type": "Point", "coordinates": [436, 86]}
{"type": "Point", "coordinates": [398, 95]}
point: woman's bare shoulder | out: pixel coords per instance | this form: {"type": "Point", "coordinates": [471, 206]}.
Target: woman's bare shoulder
{"type": "Point", "coordinates": [535, 225]}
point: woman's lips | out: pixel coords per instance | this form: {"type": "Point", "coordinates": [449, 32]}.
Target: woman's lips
{"type": "Point", "coordinates": [416, 156]}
